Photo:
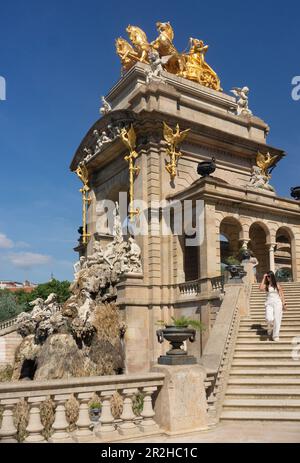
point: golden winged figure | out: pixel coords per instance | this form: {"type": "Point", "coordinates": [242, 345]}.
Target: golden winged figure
{"type": "Point", "coordinates": [83, 174]}
{"type": "Point", "coordinates": [128, 137]}
{"type": "Point", "coordinates": [265, 162]}
{"type": "Point", "coordinates": [174, 138]}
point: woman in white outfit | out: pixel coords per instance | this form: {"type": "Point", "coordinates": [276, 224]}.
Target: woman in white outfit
{"type": "Point", "coordinates": [275, 303]}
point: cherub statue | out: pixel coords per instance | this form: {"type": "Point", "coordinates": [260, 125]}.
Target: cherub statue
{"type": "Point", "coordinates": [104, 138]}
{"type": "Point", "coordinates": [106, 107]}
{"type": "Point", "coordinates": [241, 95]}
{"type": "Point", "coordinates": [156, 66]}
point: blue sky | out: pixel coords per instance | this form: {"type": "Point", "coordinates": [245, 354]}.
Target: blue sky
{"type": "Point", "coordinates": [58, 58]}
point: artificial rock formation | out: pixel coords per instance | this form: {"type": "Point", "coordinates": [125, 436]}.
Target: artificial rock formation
{"type": "Point", "coordinates": [84, 336]}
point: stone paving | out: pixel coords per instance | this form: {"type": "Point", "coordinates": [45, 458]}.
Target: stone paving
{"type": "Point", "coordinates": [237, 432]}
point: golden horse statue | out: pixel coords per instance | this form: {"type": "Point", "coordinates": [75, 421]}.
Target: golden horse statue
{"type": "Point", "coordinates": [191, 65]}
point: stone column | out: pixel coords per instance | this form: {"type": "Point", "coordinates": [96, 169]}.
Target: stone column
{"type": "Point", "coordinates": [84, 422]}
{"type": "Point", "coordinates": [60, 424]}
{"type": "Point", "coordinates": [148, 424]}
{"type": "Point", "coordinates": [272, 257]}
{"type": "Point", "coordinates": [106, 429]}
{"type": "Point", "coordinates": [207, 249]}
{"type": "Point", "coordinates": [128, 426]}
{"type": "Point", "coordinates": [8, 430]}
{"type": "Point", "coordinates": [35, 426]}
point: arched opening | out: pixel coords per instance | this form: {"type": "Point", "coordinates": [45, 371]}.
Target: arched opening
{"type": "Point", "coordinates": [258, 235]}
{"type": "Point", "coordinates": [230, 236]}
{"type": "Point", "coordinates": [283, 255]}
{"type": "Point", "coordinates": [28, 369]}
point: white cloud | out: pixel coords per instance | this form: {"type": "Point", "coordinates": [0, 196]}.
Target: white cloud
{"type": "Point", "coordinates": [28, 259]}
{"type": "Point", "coordinates": [5, 242]}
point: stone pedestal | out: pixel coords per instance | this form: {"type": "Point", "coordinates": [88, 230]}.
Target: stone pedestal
{"type": "Point", "coordinates": [181, 404]}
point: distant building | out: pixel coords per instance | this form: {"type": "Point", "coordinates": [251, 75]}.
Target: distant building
{"type": "Point", "coordinates": [17, 286]}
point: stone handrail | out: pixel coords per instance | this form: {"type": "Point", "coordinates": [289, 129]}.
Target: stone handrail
{"type": "Point", "coordinates": [83, 389]}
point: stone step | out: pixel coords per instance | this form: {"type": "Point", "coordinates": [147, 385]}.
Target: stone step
{"type": "Point", "coordinates": [263, 403]}
{"type": "Point", "coordinates": [264, 382]}
{"type": "Point", "coordinates": [263, 343]}
{"type": "Point", "coordinates": [263, 371]}
{"type": "Point", "coordinates": [283, 329]}
{"type": "Point", "coordinates": [260, 415]}
{"type": "Point", "coordinates": [265, 355]}
{"type": "Point", "coordinates": [284, 335]}
{"type": "Point", "coordinates": [269, 362]}
{"type": "Point", "coordinates": [270, 347]}
{"type": "Point", "coordinates": [234, 391]}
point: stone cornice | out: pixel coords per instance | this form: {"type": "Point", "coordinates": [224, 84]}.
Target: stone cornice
{"type": "Point", "coordinates": [215, 191]}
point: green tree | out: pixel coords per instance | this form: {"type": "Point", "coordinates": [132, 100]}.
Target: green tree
{"type": "Point", "coordinates": [9, 306]}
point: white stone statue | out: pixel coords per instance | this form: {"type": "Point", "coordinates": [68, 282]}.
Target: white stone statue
{"type": "Point", "coordinates": [241, 95]}
{"type": "Point", "coordinates": [104, 138]}
{"type": "Point", "coordinates": [106, 107]}
{"type": "Point", "coordinates": [258, 180]}
{"type": "Point", "coordinates": [134, 256]}
{"type": "Point", "coordinates": [156, 67]}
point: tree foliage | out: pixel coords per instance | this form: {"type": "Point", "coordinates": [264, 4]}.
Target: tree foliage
{"type": "Point", "coordinates": [11, 304]}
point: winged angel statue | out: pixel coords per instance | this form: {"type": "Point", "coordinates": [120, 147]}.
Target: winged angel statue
{"type": "Point", "coordinates": [190, 65]}
{"type": "Point", "coordinates": [173, 139]}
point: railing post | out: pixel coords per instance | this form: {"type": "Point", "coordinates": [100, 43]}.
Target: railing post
{"type": "Point", "coordinates": [106, 429]}
{"type": "Point", "coordinates": [60, 424]}
{"type": "Point", "coordinates": [8, 430]}
{"type": "Point", "coordinates": [148, 424]}
{"type": "Point", "coordinates": [128, 426]}
{"type": "Point", "coordinates": [35, 426]}
{"type": "Point", "coordinates": [84, 421]}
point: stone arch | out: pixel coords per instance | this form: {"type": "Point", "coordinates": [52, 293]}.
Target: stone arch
{"type": "Point", "coordinates": [260, 236]}
{"type": "Point", "coordinates": [285, 254]}
{"type": "Point", "coordinates": [231, 234]}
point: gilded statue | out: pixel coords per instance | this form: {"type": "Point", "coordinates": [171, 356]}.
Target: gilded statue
{"type": "Point", "coordinates": [128, 137]}
{"type": "Point", "coordinates": [190, 65]}
{"type": "Point", "coordinates": [266, 163]}
{"type": "Point", "coordinates": [173, 139]}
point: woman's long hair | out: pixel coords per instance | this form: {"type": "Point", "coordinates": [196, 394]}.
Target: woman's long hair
{"type": "Point", "coordinates": [273, 281]}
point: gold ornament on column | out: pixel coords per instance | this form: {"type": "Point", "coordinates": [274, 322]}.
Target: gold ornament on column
{"type": "Point", "coordinates": [173, 139]}
{"type": "Point", "coordinates": [83, 174]}
{"type": "Point", "coordinates": [128, 137]}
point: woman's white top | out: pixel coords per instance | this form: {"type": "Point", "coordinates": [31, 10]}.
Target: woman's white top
{"type": "Point", "coordinates": [273, 294]}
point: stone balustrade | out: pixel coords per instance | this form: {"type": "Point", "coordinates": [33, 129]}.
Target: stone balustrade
{"type": "Point", "coordinates": [109, 428]}
{"type": "Point", "coordinates": [8, 323]}
{"type": "Point", "coordinates": [195, 287]}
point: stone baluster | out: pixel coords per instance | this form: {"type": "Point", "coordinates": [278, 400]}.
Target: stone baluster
{"type": "Point", "coordinates": [8, 430]}
{"type": "Point", "coordinates": [148, 424]}
{"type": "Point", "coordinates": [84, 422]}
{"type": "Point", "coordinates": [128, 426]}
{"type": "Point", "coordinates": [106, 429]}
{"type": "Point", "coordinates": [60, 424]}
{"type": "Point", "coordinates": [35, 427]}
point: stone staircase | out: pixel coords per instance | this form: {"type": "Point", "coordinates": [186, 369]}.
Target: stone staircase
{"type": "Point", "coordinates": [264, 380]}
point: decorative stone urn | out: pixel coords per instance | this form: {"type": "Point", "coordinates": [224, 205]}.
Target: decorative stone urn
{"type": "Point", "coordinates": [245, 254]}
{"type": "Point", "coordinates": [295, 192]}
{"type": "Point", "coordinates": [205, 168]}
{"type": "Point", "coordinates": [237, 272]}
{"type": "Point", "coordinates": [176, 335]}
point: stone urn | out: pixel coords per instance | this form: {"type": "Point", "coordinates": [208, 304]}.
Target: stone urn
{"type": "Point", "coordinates": [176, 335]}
{"type": "Point", "coordinates": [205, 168]}
{"type": "Point", "coordinates": [237, 272]}
{"type": "Point", "coordinates": [295, 192]}
{"type": "Point", "coordinates": [245, 254]}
